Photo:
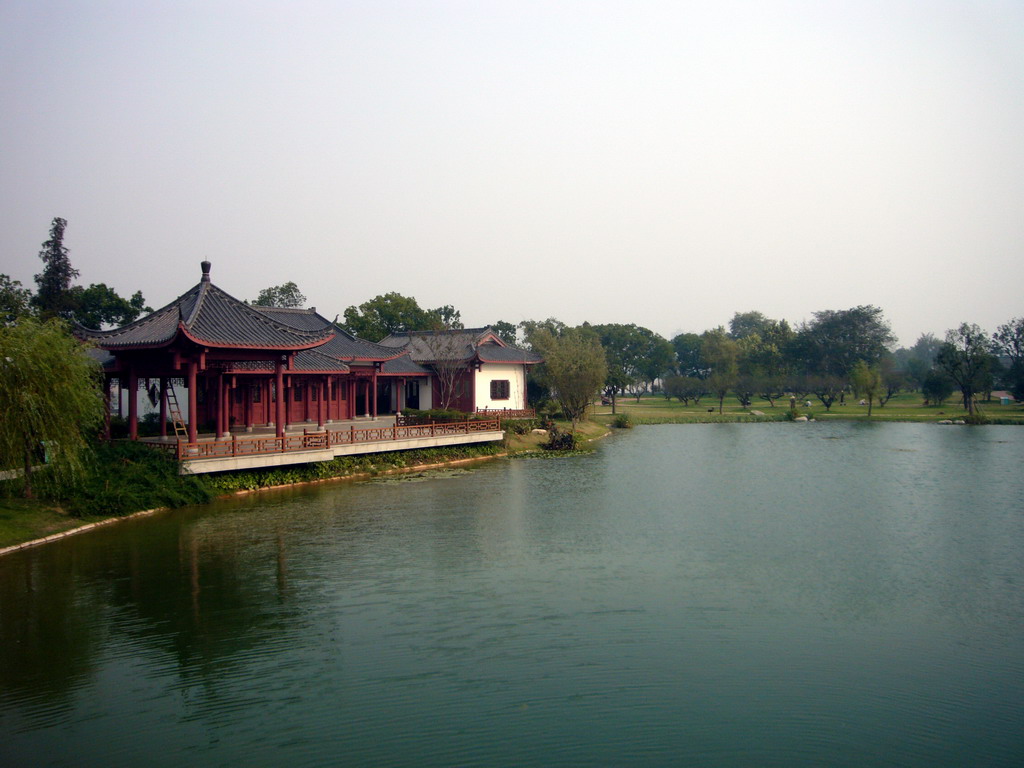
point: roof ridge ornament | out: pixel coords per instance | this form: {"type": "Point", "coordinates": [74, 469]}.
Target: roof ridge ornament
{"type": "Point", "coordinates": [205, 266]}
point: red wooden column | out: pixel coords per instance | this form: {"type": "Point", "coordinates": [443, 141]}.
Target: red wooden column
{"type": "Point", "coordinates": [193, 402]}
{"type": "Point", "coordinates": [400, 395]}
{"type": "Point", "coordinates": [133, 404]}
{"type": "Point", "coordinates": [324, 402]}
{"type": "Point", "coordinates": [279, 380]}
{"type": "Point", "coordinates": [374, 385]}
{"type": "Point", "coordinates": [218, 416]}
{"type": "Point", "coordinates": [247, 405]}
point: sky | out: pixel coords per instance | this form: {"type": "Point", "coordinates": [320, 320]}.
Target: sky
{"type": "Point", "coordinates": [661, 163]}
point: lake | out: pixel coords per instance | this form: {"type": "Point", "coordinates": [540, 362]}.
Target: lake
{"type": "Point", "coordinates": [711, 595]}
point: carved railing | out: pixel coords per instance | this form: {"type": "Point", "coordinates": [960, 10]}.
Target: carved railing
{"type": "Point", "coordinates": [255, 445]}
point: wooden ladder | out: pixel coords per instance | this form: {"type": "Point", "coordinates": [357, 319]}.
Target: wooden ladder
{"type": "Point", "coordinates": [180, 430]}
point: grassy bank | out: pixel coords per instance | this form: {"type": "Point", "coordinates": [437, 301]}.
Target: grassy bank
{"type": "Point", "coordinates": [902, 407]}
{"type": "Point", "coordinates": [125, 478]}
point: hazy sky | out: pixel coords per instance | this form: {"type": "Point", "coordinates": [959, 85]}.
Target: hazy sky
{"type": "Point", "coordinates": [661, 163]}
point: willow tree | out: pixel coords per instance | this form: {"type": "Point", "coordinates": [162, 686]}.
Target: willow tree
{"type": "Point", "coordinates": [50, 399]}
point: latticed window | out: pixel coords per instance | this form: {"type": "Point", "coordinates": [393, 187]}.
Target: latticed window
{"type": "Point", "coordinates": [500, 389]}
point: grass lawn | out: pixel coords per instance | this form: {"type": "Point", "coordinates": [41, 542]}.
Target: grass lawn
{"type": "Point", "coordinates": [27, 519]}
{"type": "Point", "coordinates": [903, 407]}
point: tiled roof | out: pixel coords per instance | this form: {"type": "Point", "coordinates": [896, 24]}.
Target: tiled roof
{"type": "Point", "coordinates": [404, 365]}
{"type": "Point", "coordinates": [462, 344]}
{"type": "Point", "coordinates": [210, 317]}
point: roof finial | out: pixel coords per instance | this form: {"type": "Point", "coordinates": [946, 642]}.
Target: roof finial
{"type": "Point", "coordinates": [206, 270]}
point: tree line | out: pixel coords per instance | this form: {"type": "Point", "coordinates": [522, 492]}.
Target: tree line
{"type": "Point", "coordinates": [833, 355]}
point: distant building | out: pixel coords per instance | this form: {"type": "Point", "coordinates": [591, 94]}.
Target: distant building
{"type": "Point", "coordinates": [472, 368]}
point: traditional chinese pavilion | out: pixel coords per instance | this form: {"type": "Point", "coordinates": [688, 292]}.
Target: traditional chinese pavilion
{"type": "Point", "coordinates": [244, 366]}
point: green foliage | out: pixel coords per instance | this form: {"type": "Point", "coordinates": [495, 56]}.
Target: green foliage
{"type": "Point", "coordinates": [286, 295]}
{"type": "Point", "coordinates": [99, 305]}
{"type": "Point", "coordinates": [53, 284]}
{"type": "Point", "coordinates": [505, 331]}
{"type": "Point", "coordinates": [636, 356]}
{"type": "Point", "coordinates": [437, 415]}
{"type": "Point", "coordinates": [391, 312]}
{"type": "Point", "coordinates": [126, 477]}
{"type": "Point", "coordinates": [345, 466]}
{"type": "Point", "coordinates": [520, 426]}
{"type": "Point", "coordinates": [965, 357]}
{"type": "Point", "coordinates": [832, 343]}
{"type": "Point", "coordinates": [560, 440]}
{"type": "Point", "coordinates": [15, 301]}
{"type": "Point", "coordinates": [622, 421]}
{"type": "Point", "coordinates": [574, 367]}
{"type": "Point", "coordinates": [49, 394]}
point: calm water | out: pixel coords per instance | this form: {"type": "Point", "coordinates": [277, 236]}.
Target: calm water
{"type": "Point", "coordinates": [689, 595]}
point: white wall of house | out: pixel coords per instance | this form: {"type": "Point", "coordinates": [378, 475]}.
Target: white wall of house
{"type": "Point", "coordinates": [514, 373]}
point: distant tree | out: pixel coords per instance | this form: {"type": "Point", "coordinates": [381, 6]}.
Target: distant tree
{"type": "Point", "coordinates": [507, 332]}
{"type": "Point", "coordinates": [533, 327]}
{"type": "Point", "coordinates": [50, 400]}
{"type": "Point", "coordinates": [445, 317]}
{"type": "Point", "coordinates": [286, 295]}
{"type": "Point", "coordinates": [636, 357]}
{"type": "Point", "coordinates": [744, 324]}
{"type": "Point", "coordinates": [687, 347]}
{"type": "Point", "coordinates": [1008, 341]}
{"type": "Point", "coordinates": [15, 301]}
{"type": "Point", "coordinates": [965, 357]}
{"type": "Point", "coordinates": [99, 305]}
{"type": "Point", "coordinates": [720, 353]}
{"type": "Point", "coordinates": [867, 382]}
{"type": "Point", "coordinates": [684, 388]}
{"type": "Point", "coordinates": [392, 312]}
{"type": "Point", "coordinates": [834, 341]}
{"type": "Point", "coordinates": [53, 285]}
{"type": "Point", "coordinates": [574, 368]}
{"type": "Point", "coordinates": [937, 387]}
{"type": "Point", "coordinates": [894, 380]}
{"type": "Point", "coordinates": [827, 389]}
{"type": "Point", "coordinates": [917, 361]}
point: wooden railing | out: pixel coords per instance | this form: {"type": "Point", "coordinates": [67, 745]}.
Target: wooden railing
{"type": "Point", "coordinates": [310, 441]}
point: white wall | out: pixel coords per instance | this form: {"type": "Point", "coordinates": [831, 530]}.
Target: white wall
{"type": "Point", "coordinates": [516, 375]}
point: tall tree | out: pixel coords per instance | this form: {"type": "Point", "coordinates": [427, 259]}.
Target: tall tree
{"type": "Point", "coordinates": [286, 295]}
{"type": "Point", "coordinates": [574, 367]}
{"type": "Point", "coordinates": [53, 285]}
{"type": "Point", "coordinates": [49, 397]}
{"type": "Point", "coordinates": [966, 359]}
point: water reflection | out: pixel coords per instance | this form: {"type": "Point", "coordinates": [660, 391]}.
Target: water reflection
{"type": "Point", "coordinates": [719, 594]}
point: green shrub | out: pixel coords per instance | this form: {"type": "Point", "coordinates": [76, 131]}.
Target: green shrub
{"type": "Point", "coordinates": [622, 421]}
{"type": "Point", "coordinates": [437, 416]}
{"type": "Point", "coordinates": [560, 440]}
{"type": "Point", "coordinates": [126, 477]}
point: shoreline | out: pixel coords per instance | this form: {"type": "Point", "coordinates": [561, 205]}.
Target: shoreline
{"type": "Point", "coordinates": [86, 527]}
